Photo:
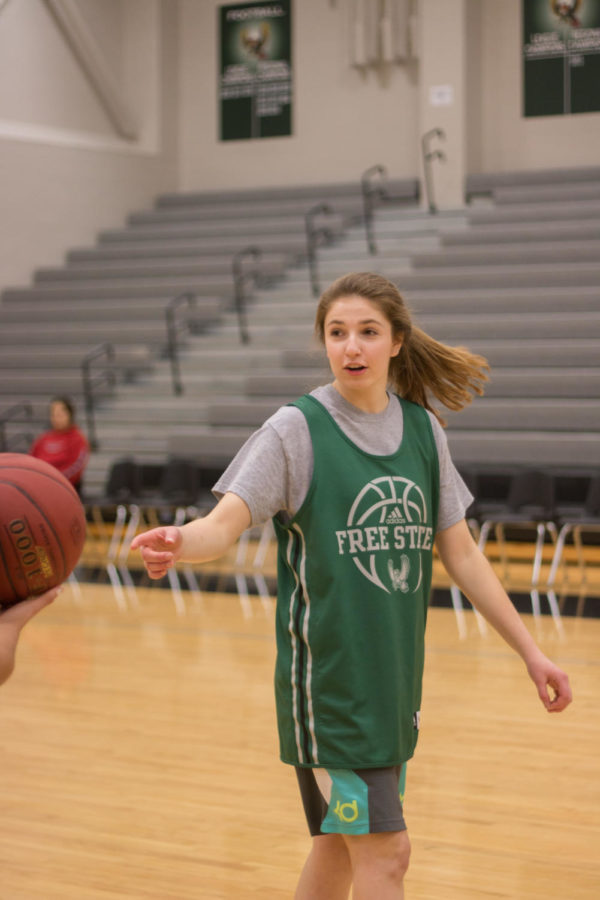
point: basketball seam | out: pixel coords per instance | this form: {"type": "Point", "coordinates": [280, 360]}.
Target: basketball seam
{"type": "Point", "coordinates": [61, 481]}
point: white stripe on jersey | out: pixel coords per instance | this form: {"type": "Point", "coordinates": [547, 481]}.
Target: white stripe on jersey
{"type": "Point", "coordinates": [294, 649]}
{"type": "Point", "coordinates": [311, 713]}
{"type": "Point", "coordinates": [300, 578]}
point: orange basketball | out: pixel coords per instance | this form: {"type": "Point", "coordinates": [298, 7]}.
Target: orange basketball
{"type": "Point", "coordinates": [42, 527]}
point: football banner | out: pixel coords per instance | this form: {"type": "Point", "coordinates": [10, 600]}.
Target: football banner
{"type": "Point", "coordinates": [561, 57]}
{"type": "Point", "coordinates": [255, 77]}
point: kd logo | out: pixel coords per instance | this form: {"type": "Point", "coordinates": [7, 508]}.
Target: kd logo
{"type": "Point", "coordinates": [342, 814]}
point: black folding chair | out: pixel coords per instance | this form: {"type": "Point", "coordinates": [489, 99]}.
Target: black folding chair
{"type": "Point", "coordinates": [583, 524]}
{"type": "Point", "coordinates": [528, 513]}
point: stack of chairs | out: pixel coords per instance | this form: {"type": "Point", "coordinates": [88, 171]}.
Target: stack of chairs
{"type": "Point", "coordinates": [523, 518]}
{"type": "Point", "coordinates": [139, 496]}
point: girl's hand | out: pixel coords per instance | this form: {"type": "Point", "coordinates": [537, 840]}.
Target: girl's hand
{"type": "Point", "coordinates": [18, 615]}
{"type": "Point", "coordinates": [160, 549]}
{"type": "Point", "coordinates": [11, 623]}
{"type": "Point", "coordinates": [552, 683]}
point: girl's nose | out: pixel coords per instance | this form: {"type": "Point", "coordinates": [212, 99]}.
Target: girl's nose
{"type": "Point", "coordinates": [352, 344]}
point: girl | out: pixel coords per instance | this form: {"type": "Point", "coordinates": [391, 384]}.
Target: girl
{"type": "Point", "coordinates": [63, 446]}
{"type": "Point", "coordinates": [360, 485]}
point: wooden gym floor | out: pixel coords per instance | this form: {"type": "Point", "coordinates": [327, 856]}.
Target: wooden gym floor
{"type": "Point", "coordinates": [139, 759]}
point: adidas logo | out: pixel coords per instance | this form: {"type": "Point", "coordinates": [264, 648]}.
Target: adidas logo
{"type": "Point", "coordinates": [395, 517]}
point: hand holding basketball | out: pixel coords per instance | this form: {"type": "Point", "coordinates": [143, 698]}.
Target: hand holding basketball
{"type": "Point", "coordinates": [20, 613]}
{"type": "Point", "coordinates": [42, 527]}
{"type": "Point", "coordinates": [160, 549]}
{"type": "Point", "coordinates": [11, 623]}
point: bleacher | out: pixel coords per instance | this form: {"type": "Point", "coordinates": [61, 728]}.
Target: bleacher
{"type": "Point", "coordinates": [515, 277]}
{"type": "Point", "coordinates": [118, 293]}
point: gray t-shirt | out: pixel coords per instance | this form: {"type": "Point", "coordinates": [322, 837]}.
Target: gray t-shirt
{"type": "Point", "coordinates": [273, 470]}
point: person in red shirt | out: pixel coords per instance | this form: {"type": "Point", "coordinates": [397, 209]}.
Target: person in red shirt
{"type": "Point", "coordinates": [63, 446]}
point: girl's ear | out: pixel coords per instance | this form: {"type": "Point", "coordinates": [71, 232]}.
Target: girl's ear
{"type": "Point", "coordinates": [397, 347]}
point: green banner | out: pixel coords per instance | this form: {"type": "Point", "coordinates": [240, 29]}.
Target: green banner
{"type": "Point", "coordinates": [561, 57]}
{"type": "Point", "coordinates": [255, 84]}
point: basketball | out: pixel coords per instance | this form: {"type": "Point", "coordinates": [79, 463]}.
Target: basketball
{"type": "Point", "coordinates": [42, 527]}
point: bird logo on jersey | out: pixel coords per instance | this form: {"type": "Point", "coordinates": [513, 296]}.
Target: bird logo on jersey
{"type": "Point", "coordinates": [386, 532]}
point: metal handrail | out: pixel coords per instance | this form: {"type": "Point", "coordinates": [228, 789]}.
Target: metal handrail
{"type": "Point", "coordinates": [91, 383]}
{"type": "Point", "coordinates": [313, 236]}
{"type": "Point", "coordinates": [428, 156]}
{"type": "Point", "coordinates": [370, 194]}
{"type": "Point", "coordinates": [240, 279]}
{"type": "Point", "coordinates": [10, 415]}
{"type": "Point", "coordinates": [174, 328]}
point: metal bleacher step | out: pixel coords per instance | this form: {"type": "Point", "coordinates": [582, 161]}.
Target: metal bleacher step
{"type": "Point", "coordinates": [517, 275]}
{"type": "Point", "coordinates": [198, 384]}
{"type": "Point", "coordinates": [489, 300]}
{"type": "Point", "coordinates": [509, 254]}
{"type": "Point", "coordinates": [548, 193]}
{"type": "Point", "coordinates": [202, 354]}
{"type": "Point", "coordinates": [55, 334]}
{"type": "Point", "coordinates": [197, 230]}
{"type": "Point", "coordinates": [536, 212]}
{"type": "Point", "coordinates": [389, 246]}
{"type": "Point", "coordinates": [206, 310]}
{"type": "Point", "coordinates": [547, 414]}
{"type": "Point", "coordinates": [507, 448]}
{"type": "Point", "coordinates": [271, 264]}
{"type": "Point", "coordinates": [350, 207]}
{"type": "Point", "coordinates": [134, 356]}
{"type": "Point", "coordinates": [106, 289]}
{"type": "Point", "coordinates": [199, 248]}
{"type": "Point", "coordinates": [500, 233]}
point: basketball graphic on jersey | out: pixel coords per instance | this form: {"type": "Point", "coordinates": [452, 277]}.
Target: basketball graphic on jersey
{"type": "Point", "coordinates": [387, 530]}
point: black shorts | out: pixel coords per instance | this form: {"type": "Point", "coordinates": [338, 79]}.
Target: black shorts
{"type": "Point", "coordinates": [353, 801]}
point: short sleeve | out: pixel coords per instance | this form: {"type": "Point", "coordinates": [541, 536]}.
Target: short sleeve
{"type": "Point", "coordinates": [273, 469]}
{"type": "Point", "coordinates": [455, 497]}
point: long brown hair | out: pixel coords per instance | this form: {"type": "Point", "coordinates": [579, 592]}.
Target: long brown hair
{"type": "Point", "coordinates": [424, 366]}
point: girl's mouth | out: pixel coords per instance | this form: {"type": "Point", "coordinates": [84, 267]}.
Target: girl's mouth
{"type": "Point", "coordinates": [355, 370]}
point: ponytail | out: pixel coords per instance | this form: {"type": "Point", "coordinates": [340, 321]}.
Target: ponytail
{"type": "Point", "coordinates": [424, 367]}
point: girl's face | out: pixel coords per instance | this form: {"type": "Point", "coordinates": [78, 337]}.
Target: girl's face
{"type": "Point", "coordinates": [359, 345]}
{"type": "Point", "coordinates": [60, 418]}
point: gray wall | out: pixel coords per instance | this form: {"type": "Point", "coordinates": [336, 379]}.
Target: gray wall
{"type": "Point", "coordinates": [344, 119]}
{"type": "Point", "coordinates": [509, 141]}
{"type": "Point", "coordinates": [66, 172]}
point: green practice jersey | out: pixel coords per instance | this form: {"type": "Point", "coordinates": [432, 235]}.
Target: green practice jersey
{"type": "Point", "coordinates": [354, 576]}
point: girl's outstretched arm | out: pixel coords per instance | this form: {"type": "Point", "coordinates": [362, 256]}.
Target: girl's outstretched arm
{"type": "Point", "coordinates": [198, 541]}
{"type": "Point", "coordinates": [471, 571]}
